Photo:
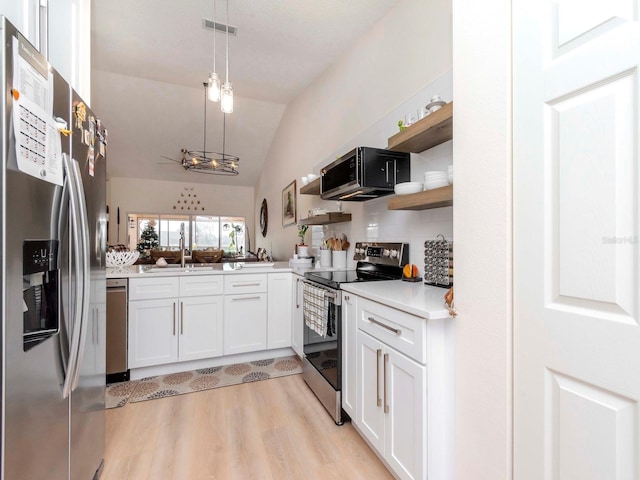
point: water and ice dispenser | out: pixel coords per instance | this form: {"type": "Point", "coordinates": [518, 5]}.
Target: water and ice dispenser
{"type": "Point", "coordinates": [41, 291]}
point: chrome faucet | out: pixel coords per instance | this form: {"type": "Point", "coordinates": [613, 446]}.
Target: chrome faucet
{"type": "Point", "coordinates": [182, 262]}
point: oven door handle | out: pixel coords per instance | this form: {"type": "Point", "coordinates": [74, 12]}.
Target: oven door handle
{"type": "Point", "coordinates": [333, 295]}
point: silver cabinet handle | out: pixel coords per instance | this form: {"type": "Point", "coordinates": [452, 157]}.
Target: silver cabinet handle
{"type": "Point", "coordinates": [174, 319]}
{"type": "Point", "coordinates": [397, 331]}
{"type": "Point", "coordinates": [181, 318]}
{"type": "Point", "coordinates": [347, 298]}
{"type": "Point", "coordinates": [255, 284]}
{"type": "Point", "coordinates": [236, 299]}
{"type": "Point", "coordinates": [378, 399]}
{"type": "Point", "coordinates": [386, 360]}
{"type": "Point", "coordinates": [297, 291]}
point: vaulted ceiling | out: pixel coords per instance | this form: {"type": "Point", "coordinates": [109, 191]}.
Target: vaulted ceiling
{"type": "Point", "coordinates": [151, 57]}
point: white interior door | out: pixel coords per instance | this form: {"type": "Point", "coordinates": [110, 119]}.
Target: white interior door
{"type": "Point", "coordinates": [576, 332]}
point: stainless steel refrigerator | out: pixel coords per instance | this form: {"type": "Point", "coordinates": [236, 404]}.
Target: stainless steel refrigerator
{"type": "Point", "coordinates": [52, 258]}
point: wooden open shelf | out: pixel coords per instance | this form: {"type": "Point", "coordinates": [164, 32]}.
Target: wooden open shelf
{"type": "Point", "coordinates": [432, 130]}
{"type": "Point", "coordinates": [311, 188]}
{"type": "Point", "coordinates": [331, 217]}
{"type": "Point", "coordinates": [436, 198]}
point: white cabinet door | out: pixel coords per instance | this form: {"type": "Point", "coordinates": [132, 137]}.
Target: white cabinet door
{"type": "Point", "coordinates": [201, 327]}
{"type": "Point", "coordinates": [576, 190]}
{"type": "Point", "coordinates": [153, 332]}
{"type": "Point", "coordinates": [404, 399]}
{"type": "Point", "coordinates": [245, 323]}
{"type": "Point", "coordinates": [279, 310]}
{"type": "Point", "coordinates": [369, 413]}
{"type": "Point", "coordinates": [297, 328]}
{"type": "Point", "coordinates": [349, 354]}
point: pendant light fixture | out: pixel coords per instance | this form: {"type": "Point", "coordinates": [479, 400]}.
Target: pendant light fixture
{"type": "Point", "coordinates": [213, 88]}
{"type": "Point", "coordinates": [226, 103]}
{"type": "Point", "coordinates": [206, 161]}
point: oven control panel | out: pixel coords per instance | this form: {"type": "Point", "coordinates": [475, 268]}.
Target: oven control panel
{"type": "Point", "coordinates": [382, 253]}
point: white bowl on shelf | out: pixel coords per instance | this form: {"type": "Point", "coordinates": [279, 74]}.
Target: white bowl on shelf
{"type": "Point", "coordinates": [450, 174]}
{"type": "Point", "coordinates": [436, 103]}
{"type": "Point", "coordinates": [121, 259]}
{"type": "Point", "coordinates": [406, 188]}
{"type": "Point", "coordinates": [304, 180]}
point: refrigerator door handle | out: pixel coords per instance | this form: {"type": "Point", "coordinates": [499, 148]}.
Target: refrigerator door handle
{"type": "Point", "coordinates": [86, 270]}
{"type": "Point", "coordinates": [77, 297]}
{"type": "Point", "coordinates": [59, 221]}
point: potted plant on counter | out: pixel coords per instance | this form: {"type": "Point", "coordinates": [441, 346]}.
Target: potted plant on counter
{"type": "Point", "coordinates": [303, 249]}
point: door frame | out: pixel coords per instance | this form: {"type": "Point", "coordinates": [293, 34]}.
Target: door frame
{"type": "Point", "coordinates": [482, 152]}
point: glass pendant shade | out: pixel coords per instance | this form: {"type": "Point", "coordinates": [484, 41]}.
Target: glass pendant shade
{"type": "Point", "coordinates": [226, 104]}
{"type": "Point", "coordinates": [213, 89]}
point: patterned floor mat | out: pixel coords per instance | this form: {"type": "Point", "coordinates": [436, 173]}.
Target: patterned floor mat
{"type": "Point", "coordinates": [119, 394]}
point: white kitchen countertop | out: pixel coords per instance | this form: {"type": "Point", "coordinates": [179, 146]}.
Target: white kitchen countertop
{"type": "Point", "coordinates": [415, 298]}
{"type": "Point", "coordinates": [150, 271]}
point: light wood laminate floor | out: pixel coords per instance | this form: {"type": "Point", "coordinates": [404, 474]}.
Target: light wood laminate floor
{"type": "Point", "coordinates": [273, 429]}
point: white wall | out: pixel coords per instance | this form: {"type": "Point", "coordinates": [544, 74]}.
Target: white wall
{"type": "Point", "coordinates": [358, 100]}
{"type": "Point", "coordinates": [153, 196]}
{"type": "Point", "coordinates": [482, 229]}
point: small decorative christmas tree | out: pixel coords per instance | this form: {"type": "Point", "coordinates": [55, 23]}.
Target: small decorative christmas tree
{"type": "Point", "coordinates": [148, 239]}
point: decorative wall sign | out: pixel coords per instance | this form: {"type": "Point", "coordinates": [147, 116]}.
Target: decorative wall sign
{"type": "Point", "coordinates": [289, 205]}
{"type": "Point", "coordinates": [188, 201]}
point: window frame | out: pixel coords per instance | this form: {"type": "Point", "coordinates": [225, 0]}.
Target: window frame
{"type": "Point", "coordinates": [190, 224]}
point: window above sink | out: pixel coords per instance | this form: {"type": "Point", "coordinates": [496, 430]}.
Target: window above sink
{"type": "Point", "coordinates": [202, 232]}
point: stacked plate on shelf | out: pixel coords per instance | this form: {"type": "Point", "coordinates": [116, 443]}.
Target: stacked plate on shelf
{"type": "Point", "coordinates": [435, 179]}
{"type": "Point", "coordinates": [317, 211]}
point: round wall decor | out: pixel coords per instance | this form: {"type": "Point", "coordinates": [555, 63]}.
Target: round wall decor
{"type": "Point", "coordinates": [264, 217]}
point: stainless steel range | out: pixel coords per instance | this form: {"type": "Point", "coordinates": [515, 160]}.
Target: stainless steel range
{"type": "Point", "coordinates": [322, 313]}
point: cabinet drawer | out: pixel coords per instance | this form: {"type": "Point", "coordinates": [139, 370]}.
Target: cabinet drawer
{"type": "Point", "coordinates": [149, 288]}
{"type": "Point", "coordinates": [250, 283]}
{"type": "Point", "coordinates": [245, 323]}
{"type": "Point", "coordinates": [201, 285]}
{"type": "Point", "coordinates": [400, 330]}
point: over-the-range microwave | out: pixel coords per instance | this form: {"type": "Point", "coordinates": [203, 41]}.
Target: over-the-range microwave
{"type": "Point", "coordinates": [364, 173]}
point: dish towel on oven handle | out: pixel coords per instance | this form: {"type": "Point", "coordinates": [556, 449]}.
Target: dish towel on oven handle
{"type": "Point", "coordinates": [315, 309]}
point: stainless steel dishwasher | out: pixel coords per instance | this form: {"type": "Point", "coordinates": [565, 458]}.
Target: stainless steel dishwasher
{"type": "Point", "coordinates": [117, 366]}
